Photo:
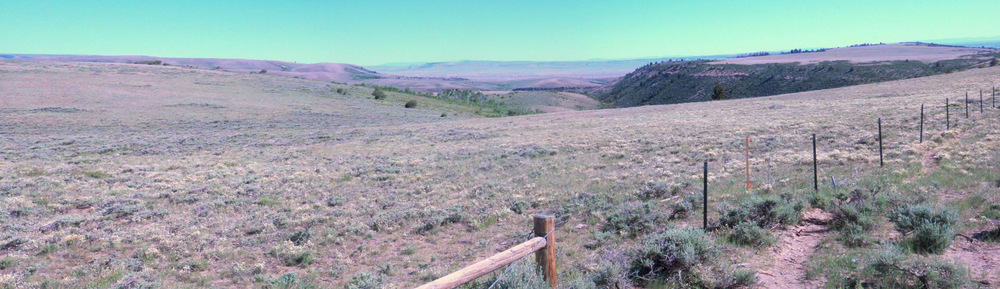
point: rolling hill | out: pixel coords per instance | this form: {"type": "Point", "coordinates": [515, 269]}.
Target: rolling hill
{"type": "Point", "coordinates": [689, 81]}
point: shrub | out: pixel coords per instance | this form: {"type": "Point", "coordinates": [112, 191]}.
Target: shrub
{"type": "Point", "coordinates": [911, 218]}
{"type": "Point", "coordinates": [631, 219]}
{"type": "Point", "coordinates": [657, 191]}
{"type": "Point", "coordinates": [285, 281]}
{"type": "Point", "coordinates": [292, 255]}
{"type": "Point", "coordinates": [663, 255]}
{"type": "Point", "coordinates": [138, 280]}
{"type": "Point", "coordinates": [994, 62]}
{"type": "Point", "coordinates": [718, 92]}
{"type": "Point", "coordinates": [768, 212]}
{"type": "Point", "coordinates": [932, 230]}
{"type": "Point", "coordinates": [890, 267]}
{"type": "Point", "coordinates": [750, 220]}
{"type": "Point", "coordinates": [932, 238]}
{"type": "Point", "coordinates": [519, 206]}
{"type": "Point", "coordinates": [97, 174]}
{"type": "Point", "coordinates": [521, 275]}
{"type": "Point", "coordinates": [8, 262]}
{"type": "Point", "coordinates": [439, 218]}
{"type": "Point", "coordinates": [853, 216]}
{"type": "Point", "coordinates": [682, 209]}
{"type": "Point", "coordinates": [378, 93]}
{"type": "Point", "coordinates": [334, 201]}
{"type": "Point", "coordinates": [750, 234]}
{"type": "Point", "coordinates": [341, 91]}
{"type": "Point", "coordinates": [300, 237]}
{"type": "Point", "coordinates": [410, 104]}
{"type": "Point", "coordinates": [365, 280]}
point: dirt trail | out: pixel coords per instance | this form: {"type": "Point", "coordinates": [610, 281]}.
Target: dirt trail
{"type": "Point", "coordinates": [978, 257]}
{"type": "Point", "coordinates": [793, 250]}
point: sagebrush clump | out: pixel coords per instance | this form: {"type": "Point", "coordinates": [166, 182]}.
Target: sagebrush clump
{"type": "Point", "coordinates": [932, 230]}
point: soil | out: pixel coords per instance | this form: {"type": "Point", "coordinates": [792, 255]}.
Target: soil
{"type": "Point", "coordinates": [793, 250]}
{"type": "Point", "coordinates": [978, 257]}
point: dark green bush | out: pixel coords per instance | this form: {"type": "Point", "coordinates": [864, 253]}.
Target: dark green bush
{"type": "Point", "coordinates": [439, 218]}
{"type": "Point", "coordinates": [767, 211]}
{"type": "Point", "coordinates": [378, 93]}
{"type": "Point", "coordinates": [911, 218]}
{"type": "Point", "coordinates": [932, 238]}
{"type": "Point", "coordinates": [664, 254]}
{"type": "Point", "coordinates": [8, 262]}
{"type": "Point", "coordinates": [365, 280]}
{"type": "Point", "coordinates": [750, 234]}
{"type": "Point", "coordinates": [890, 267]}
{"type": "Point", "coordinates": [410, 104]}
{"type": "Point", "coordinates": [932, 230]}
{"type": "Point", "coordinates": [632, 219]}
{"type": "Point", "coordinates": [752, 217]}
{"type": "Point", "coordinates": [657, 190]}
{"type": "Point", "coordinates": [854, 216]}
{"type": "Point", "coordinates": [300, 237]}
{"type": "Point", "coordinates": [684, 208]}
{"type": "Point", "coordinates": [285, 281]}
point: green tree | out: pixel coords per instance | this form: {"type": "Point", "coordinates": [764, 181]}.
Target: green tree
{"type": "Point", "coordinates": [718, 92]}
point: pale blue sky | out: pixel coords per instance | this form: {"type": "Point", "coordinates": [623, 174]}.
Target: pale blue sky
{"type": "Point", "coordinates": [377, 32]}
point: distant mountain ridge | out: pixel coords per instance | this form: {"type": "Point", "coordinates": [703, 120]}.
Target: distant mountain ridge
{"type": "Point", "coordinates": [339, 72]}
{"type": "Point", "coordinates": [690, 81]}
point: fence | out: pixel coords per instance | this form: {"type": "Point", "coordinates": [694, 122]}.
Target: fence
{"type": "Point", "coordinates": [543, 245]}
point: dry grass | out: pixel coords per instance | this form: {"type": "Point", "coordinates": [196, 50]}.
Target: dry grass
{"type": "Point", "coordinates": [200, 178]}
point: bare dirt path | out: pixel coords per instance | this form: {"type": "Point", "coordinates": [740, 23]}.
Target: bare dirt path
{"type": "Point", "coordinates": [979, 258]}
{"type": "Point", "coordinates": [793, 250]}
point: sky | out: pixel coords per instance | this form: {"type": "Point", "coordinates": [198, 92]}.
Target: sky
{"type": "Point", "coordinates": [378, 32]}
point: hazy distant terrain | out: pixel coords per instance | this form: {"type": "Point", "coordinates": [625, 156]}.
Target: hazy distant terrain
{"type": "Point", "coordinates": [866, 54]}
{"type": "Point", "coordinates": [433, 77]}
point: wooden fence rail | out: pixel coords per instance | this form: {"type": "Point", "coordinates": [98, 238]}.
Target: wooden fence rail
{"type": "Point", "coordinates": [543, 245]}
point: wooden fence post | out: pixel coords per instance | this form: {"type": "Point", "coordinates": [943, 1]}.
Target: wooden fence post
{"type": "Point", "coordinates": [546, 257]}
{"type": "Point", "coordinates": [966, 104]}
{"type": "Point", "coordinates": [980, 101]}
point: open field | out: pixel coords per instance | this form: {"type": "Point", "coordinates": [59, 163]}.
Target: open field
{"type": "Point", "coordinates": [548, 101]}
{"type": "Point", "coordinates": [134, 174]}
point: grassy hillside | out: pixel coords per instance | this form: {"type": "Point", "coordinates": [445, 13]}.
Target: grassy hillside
{"type": "Point", "coordinates": [131, 175]}
{"type": "Point", "coordinates": [689, 81]}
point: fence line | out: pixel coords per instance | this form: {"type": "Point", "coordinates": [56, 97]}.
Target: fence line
{"type": "Point", "coordinates": [543, 245]}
